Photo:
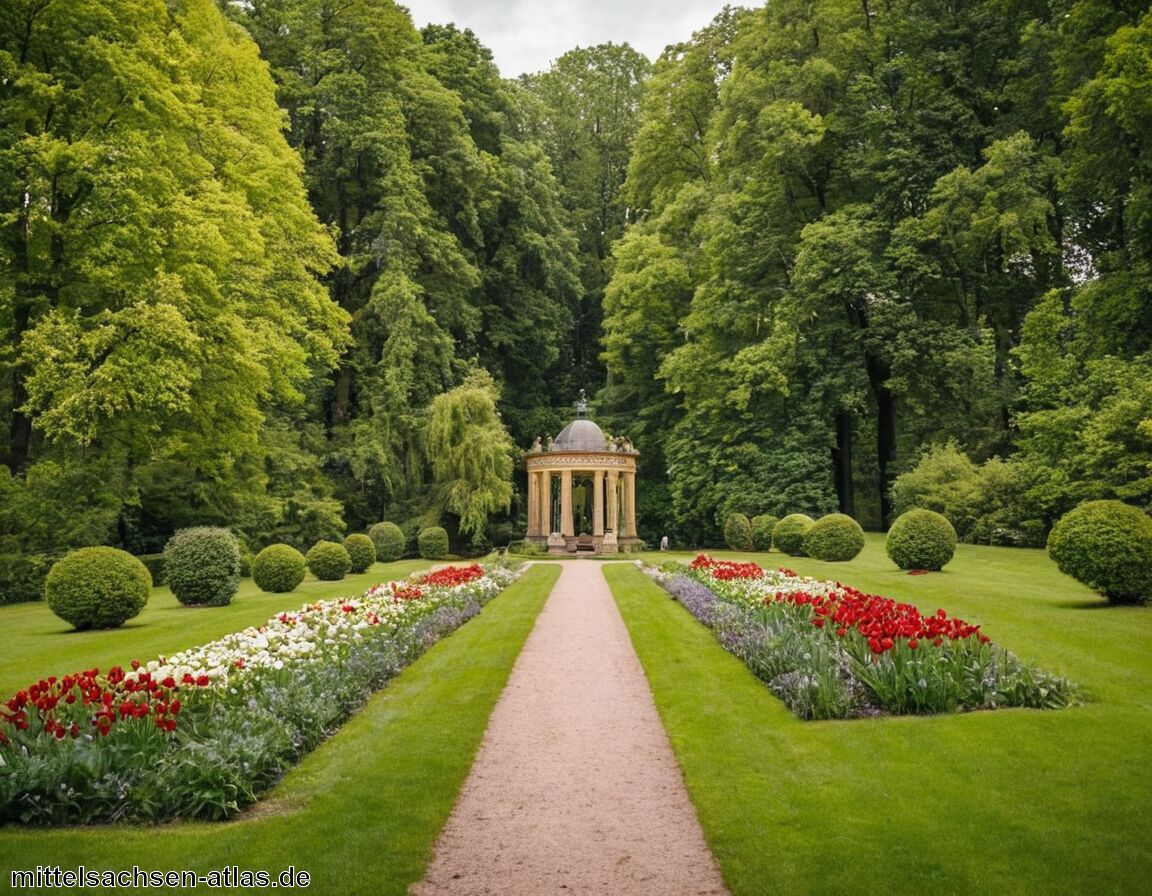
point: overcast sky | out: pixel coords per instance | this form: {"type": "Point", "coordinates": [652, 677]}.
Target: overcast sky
{"type": "Point", "coordinates": [526, 35]}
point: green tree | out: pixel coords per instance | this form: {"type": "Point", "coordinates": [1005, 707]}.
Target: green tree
{"type": "Point", "coordinates": [161, 264]}
{"type": "Point", "coordinates": [526, 252]}
{"type": "Point", "coordinates": [470, 453]}
{"type": "Point", "coordinates": [591, 98]}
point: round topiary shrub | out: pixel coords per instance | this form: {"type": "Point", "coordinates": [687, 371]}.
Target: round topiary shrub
{"type": "Point", "coordinates": [738, 532]}
{"type": "Point", "coordinates": [788, 534]}
{"type": "Point", "coordinates": [762, 527]}
{"type": "Point", "coordinates": [389, 540]}
{"type": "Point", "coordinates": [1107, 545]}
{"type": "Point", "coordinates": [278, 569]}
{"type": "Point", "coordinates": [433, 543]}
{"type": "Point", "coordinates": [835, 537]}
{"type": "Point", "coordinates": [361, 551]}
{"type": "Point", "coordinates": [97, 587]}
{"type": "Point", "coordinates": [328, 561]}
{"type": "Point", "coordinates": [202, 566]}
{"type": "Point", "coordinates": [921, 539]}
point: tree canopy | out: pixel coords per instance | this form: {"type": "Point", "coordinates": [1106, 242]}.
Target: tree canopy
{"type": "Point", "coordinates": [295, 267]}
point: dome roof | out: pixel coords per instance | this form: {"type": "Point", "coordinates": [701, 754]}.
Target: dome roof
{"type": "Point", "coordinates": [581, 435]}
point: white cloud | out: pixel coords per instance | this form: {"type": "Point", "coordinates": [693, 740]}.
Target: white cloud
{"type": "Point", "coordinates": [526, 36]}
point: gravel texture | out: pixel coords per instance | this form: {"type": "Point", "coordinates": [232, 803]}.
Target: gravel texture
{"type": "Point", "coordinates": [575, 789]}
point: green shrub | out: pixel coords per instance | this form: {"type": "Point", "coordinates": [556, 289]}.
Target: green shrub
{"type": "Point", "coordinates": [202, 566]}
{"type": "Point", "coordinates": [246, 558]}
{"type": "Point", "coordinates": [835, 537]}
{"type": "Point", "coordinates": [278, 569]}
{"type": "Point", "coordinates": [1107, 545]}
{"type": "Point", "coordinates": [389, 540]}
{"type": "Point", "coordinates": [986, 503]}
{"type": "Point", "coordinates": [328, 561]}
{"type": "Point", "coordinates": [155, 566]}
{"type": "Point", "coordinates": [526, 548]}
{"type": "Point", "coordinates": [478, 545]}
{"type": "Point", "coordinates": [97, 587]}
{"type": "Point", "coordinates": [433, 543]}
{"type": "Point", "coordinates": [738, 532]}
{"type": "Point", "coordinates": [361, 551]}
{"type": "Point", "coordinates": [788, 534]}
{"type": "Point", "coordinates": [921, 539]}
{"type": "Point", "coordinates": [762, 527]}
{"type": "Point", "coordinates": [22, 575]}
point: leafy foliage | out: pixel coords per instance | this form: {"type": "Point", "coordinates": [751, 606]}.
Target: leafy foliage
{"type": "Point", "coordinates": [361, 551]}
{"type": "Point", "coordinates": [389, 541]}
{"type": "Point", "coordinates": [987, 503]}
{"type": "Point", "coordinates": [762, 528]}
{"type": "Point", "coordinates": [788, 534]}
{"type": "Point", "coordinates": [470, 453]}
{"type": "Point", "coordinates": [921, 539]}
{"type": "Point", "coordinates": [1107, 545]}
{"type": "Point", "coordinates": [738, 532]}
{"type": "Point", "coordinates": [328, 561]}
{"type": "Point", "coordinates": [278, 568]}
{"type": "Point", "coordinates": [160, 265]}
{"type": "Point", "coordinates": [835, 537]}
{"type": "Point", "coordinates": [97, 588]}
{"type": "Point", "coordinates": [202, 566]}
{"type": "Point", "coordinates": [432, 543]}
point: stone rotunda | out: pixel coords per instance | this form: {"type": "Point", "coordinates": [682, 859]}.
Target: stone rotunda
{"type": "Point", "coordinates": [582, 490]}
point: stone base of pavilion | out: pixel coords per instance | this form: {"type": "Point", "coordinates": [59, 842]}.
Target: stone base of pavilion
{"type": "Point", "coordinates": [587, 545]}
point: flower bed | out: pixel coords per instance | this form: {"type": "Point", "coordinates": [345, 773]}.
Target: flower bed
{"type": "Point", "coordinates": [830, 651]}
{"type": "Point", "coordinates": [201, 733]}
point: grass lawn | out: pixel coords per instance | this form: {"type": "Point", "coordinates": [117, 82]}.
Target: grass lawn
{"type": "Point", "coordinates": [362, 812]}
{"type": "Point", "coordinates": [37, 643]}
{"type": "Point", "coordinates": [1004, 802]}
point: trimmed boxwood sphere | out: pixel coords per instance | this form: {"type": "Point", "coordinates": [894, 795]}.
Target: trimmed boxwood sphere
{"type": "Point", "coordinates": [921, 539]}
{"type": "Point", "coordinates": [389, 540]}
{"type": "Point", "coordinates": [97, 587]}
{"type": "Point", "coordinates": [788, 535]}
{"type": "Point", "coordinates": [738, 532]}
{"type": "Point", "coordinates": [762, 527]}
{"type": "Point", "coordinates": [202, 566]}
{"type": "Point", "coordinates": [278, 569]}
{"type": "Point", "coordinates": [328, 561]}
{"type": "Point", "coordinates": [433, 543]}
{"type": "Point", "coordinates": [835, 537]}
{"type": "Point", "coordinates": [1107, 545]}
{"type": "Point", "coordinates": [361, 551]}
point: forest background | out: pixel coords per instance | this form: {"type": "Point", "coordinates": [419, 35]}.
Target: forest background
{"type": "Point", "coordinates": [295, 267]}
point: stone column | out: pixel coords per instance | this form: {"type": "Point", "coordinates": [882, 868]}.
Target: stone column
{"type": "Point", "coordinates": [546, 503]}
{"type": "Point", "coordinates": [613, 504]}
{"type": "Point", "coordinates": [533, 504]}
{"type": "Point", "coordinates": [630, 503]}
{"type": "Point", "coordinates": [598, 503]}
{"type": "Point", "coordinates": [566, 527]}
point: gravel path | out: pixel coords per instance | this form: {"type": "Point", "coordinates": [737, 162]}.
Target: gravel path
{"type": "Point", "coordinates": [575, 789]}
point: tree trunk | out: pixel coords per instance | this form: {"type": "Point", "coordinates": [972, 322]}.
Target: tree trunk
{"type": "Point", "coordinates": [842, 464]}
{"type": "Point", "coordinates": [878, 375]}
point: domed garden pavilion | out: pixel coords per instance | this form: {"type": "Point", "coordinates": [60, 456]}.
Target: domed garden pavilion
{"type": "Point", "coordinates": [582, 490]}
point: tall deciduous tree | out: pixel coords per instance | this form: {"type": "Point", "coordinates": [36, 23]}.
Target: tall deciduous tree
{"type": "Point", "coordinates": [161, 264]}
{"type": "Point", "coordinates": [591, 97]}
{"type": "Point", "coordinates": [470, 453]}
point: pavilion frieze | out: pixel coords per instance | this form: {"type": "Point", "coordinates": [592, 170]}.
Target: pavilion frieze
{"type": "Point", "coordinates": [582, 460]}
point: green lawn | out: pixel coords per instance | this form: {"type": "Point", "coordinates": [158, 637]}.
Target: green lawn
{"type": "Point", "coordinates": [1009, 802]}
{"type": "Point", "coordinates": [36, 643]}
{"type": "Point", "coordinates": [1006, 802]}
{"type": "Point", "coordinates": [362, 812]}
